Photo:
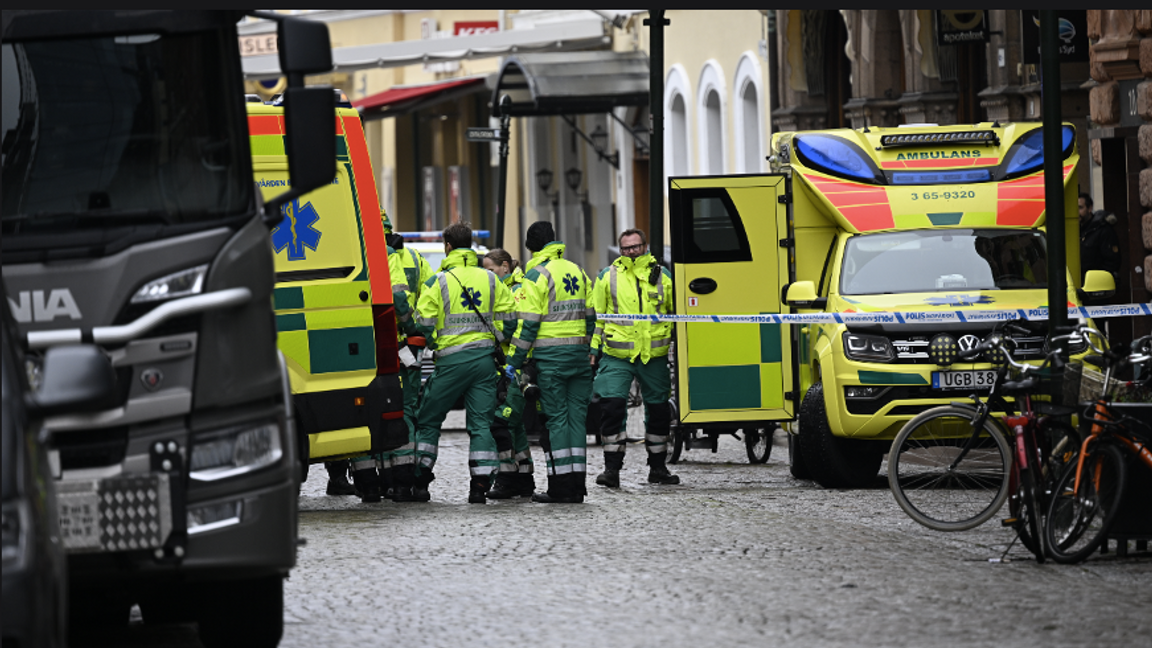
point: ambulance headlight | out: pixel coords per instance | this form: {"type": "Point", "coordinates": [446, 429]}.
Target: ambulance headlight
{"type": "Point", "coordinates": [870, 348]}
{"type": "Point", "coordinates": [178, 284]}
{"type": "Point", "coordinates": [235, 451]}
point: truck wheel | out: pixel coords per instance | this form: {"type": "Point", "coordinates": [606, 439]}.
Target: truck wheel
{"type": "Point", "coordinates": [247, 613]}
{"type": "Point", "coordinates": [834, 462]}
{"type": "Point", "coordinates": [796, 464]}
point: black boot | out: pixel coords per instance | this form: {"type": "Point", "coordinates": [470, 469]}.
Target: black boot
{"type": "Point", "coordinates": [403, 479]}
{"type": "Point", "coordinates": [613, 462]}
{"type": "Point", "coordinates": [338, 483]}
{"type": "Point", "coordinates": [560, 491]}
{"type": "Point", "coordinates": [508, 485]}
{"type": "Point", "coordinates": [368, 484]}
{"type": "Point", "coordinates": [478, 489]}
{"type": "Point", "coordinates": [420, 487]}
{"type": "Point", "coordinates": [658, 471]}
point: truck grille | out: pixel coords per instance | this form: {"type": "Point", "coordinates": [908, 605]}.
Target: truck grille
{"type": "Point", "coordinates": [913, 349]}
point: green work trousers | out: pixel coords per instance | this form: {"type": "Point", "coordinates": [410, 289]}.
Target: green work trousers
{"type": "Point", "coordinates": [511, 438]}
{"type": "Point", "coordinates": [475, 379]}
{"type": "Point", "coordinates": [614, 380]}
{"type": "Point", "coordinates": [405, 455]}
{"type": "Point", "coordinates": [565, 388]}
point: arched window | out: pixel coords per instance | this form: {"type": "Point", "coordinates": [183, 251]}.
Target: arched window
{"type": "Point", "coordinates": [750, 146]}
{"type": "Point", "coordinates": [711, 101]}
{"type": "Point", "coordinates": [677, 143]}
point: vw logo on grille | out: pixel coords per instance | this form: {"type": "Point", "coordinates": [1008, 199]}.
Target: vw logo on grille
{"type": "Point", "coordinates": [968, 342]}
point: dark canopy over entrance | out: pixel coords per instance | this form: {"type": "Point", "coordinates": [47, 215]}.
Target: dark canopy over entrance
{"type": "Point", "coordinates": [571, 83]}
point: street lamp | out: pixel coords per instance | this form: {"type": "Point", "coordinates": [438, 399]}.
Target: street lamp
{"type": "Point", "coordinates": [599, 138]}
{"type": "Point", "coordinates": [544, 181]}
{"type": "Point", "coordinates": [572, 177]}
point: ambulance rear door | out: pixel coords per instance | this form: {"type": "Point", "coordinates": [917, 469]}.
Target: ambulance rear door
{"type": "Point", "coordinates": [730, 251]}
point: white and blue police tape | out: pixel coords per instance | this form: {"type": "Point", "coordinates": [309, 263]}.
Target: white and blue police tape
{"type": "Point", "coordinates": [901, 317]}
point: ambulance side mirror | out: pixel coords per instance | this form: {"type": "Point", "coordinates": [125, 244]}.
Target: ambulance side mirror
{"type": "Point", "coordinates": [1098, 284]}
{"type": "Point", "coordinates": [802, 294]}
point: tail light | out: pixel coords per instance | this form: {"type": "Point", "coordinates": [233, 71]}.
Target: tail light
{"type": "Point", "coordinates": [387, 348]}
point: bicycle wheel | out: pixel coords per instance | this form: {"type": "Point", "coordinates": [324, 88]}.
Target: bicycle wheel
{"type": "Point", "coordinates": [1028, 500]}
{"type": "Point", "coordinates": [1078, 519]}
{"type": "Point", "coordinates": [938, 487]}
{"type": "Point", "coordinates": [676, 438]}
{"type": "Point", "coordinates": [758, 443]}
{"type": "Point", "coordinates": [1059, 446]}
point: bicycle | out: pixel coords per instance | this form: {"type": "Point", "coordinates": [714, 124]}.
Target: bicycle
{"type": "Point", "coordinates": [952, 467]}
{"type": "Point", "coordinates": [1090, 491]}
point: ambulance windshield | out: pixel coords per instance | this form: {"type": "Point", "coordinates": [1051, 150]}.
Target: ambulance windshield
{"type": "Point", "coordinates": [121, 131]}
{"type": "Point", "coordinates": [944, 260]}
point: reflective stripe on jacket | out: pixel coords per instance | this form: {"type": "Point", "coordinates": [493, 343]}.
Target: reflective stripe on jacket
{"type": "Point", "coordinates": [553, 305]}
{"type": "Point", "coordinates": [443, 313]}
{"type": "Point", "coordinates": [623, 288]}
{"type": "Point", "coordinates": [409, 271]}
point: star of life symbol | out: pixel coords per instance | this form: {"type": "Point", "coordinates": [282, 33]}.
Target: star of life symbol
{"type": "Point", "coordinates": [470, 298]}
{"type": "Point", "coordinates": [297, 230]}
{"type": "Point", "coordinates": [571, 284]}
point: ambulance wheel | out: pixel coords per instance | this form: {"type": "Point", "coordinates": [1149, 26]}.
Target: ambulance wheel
{"type": "Point", "coordinates": [796, 463]}
{"type": "Point", "coordinates": [677, 438]}
{"type": "Point", "coordinates": [758, 443]}
{"type": "Point", "coordinates": [247, 613]}
{"type": "Point", "coordinates": [833, 461]}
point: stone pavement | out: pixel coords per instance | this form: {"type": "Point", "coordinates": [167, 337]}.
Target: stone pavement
{"type": "Point", "coordinates": [737, 555]}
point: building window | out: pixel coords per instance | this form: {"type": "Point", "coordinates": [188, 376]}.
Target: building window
{"type": "Point", "coordinates": [677, 142]}
{"type": "Point", "coordinates": [712, 100]}
{"type": "Point", "coordinates": [748, 116]}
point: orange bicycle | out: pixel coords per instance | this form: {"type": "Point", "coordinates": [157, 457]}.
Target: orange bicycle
{"type": "Point", "coordinates": [1088, 495]}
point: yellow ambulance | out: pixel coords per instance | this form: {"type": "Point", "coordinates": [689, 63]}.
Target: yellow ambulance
{"type": "Point", "coordinates": [333, 296]}
{"type": "Point", "coordinates": [916, 219]}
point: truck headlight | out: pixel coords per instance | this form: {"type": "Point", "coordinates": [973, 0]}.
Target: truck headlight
{"type": "Point", "coordinates": [236, 451]}
{"type": "Point", "coordinates": [178, 284]}
{"type": "Point", "coordinates": [873, 348]}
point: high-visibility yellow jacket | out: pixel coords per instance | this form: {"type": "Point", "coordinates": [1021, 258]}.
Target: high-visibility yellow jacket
{"type": "Point", "coordinates": [409, 272]}
{"type": "Point", "coordinates": [554, 307]}
{"type": "Point", "coordinates": [513, 280]}
{"type": "Point", "coordinates": [443, 314]}
{"type": "Point", "coordinates": [624, 288]}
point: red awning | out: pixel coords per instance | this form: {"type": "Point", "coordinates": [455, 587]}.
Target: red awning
{"type": "Point", "coordinates": [402, 100]}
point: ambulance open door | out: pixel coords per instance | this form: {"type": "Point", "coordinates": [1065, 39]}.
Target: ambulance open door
{"type": "Point", "coordinates": [730, 251]}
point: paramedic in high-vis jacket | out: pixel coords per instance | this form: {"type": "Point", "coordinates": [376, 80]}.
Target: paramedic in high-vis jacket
{"type": "Point", "coordinates": [556, 318]}
{"type": "Point", "coordinates": [462, 312]}
{"type": "Point", "coordinates": [633, 284]}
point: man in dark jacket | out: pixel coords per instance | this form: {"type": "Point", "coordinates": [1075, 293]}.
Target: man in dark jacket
{"type": "Point", "coordinates": [1099, 246]}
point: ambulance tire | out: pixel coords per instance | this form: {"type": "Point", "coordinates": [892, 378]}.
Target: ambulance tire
{"type": "Point", "coordinates": [244, 613]}
{"type": "Point", "coordinates": [796, 463]}
{"type": "Point", "coordinates": [833, 461]}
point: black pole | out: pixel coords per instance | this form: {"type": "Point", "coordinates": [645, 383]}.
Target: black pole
{"type": "Point", "coordinates": [505, 121]}
{"type": "Point", "coordinates": [1053, 171]}
{"type": "Point", "coordinates": [656, 22]}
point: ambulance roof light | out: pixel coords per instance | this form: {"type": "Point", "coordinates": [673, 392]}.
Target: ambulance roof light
{"type": "Point", "coordinates": [986, 137]}
{"type": "Point", "coordinates": [440, 235]}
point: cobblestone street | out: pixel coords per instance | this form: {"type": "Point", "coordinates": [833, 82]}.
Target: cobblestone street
{"type": "Point", "coordinates": [738, 554]}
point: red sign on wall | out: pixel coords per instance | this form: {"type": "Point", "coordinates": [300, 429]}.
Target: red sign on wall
{"type": "Point", "coordinates": [475, 27]}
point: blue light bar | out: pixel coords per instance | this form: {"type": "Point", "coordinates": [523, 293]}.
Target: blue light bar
{"type": "Point", "coordinates": [439, 235]}
{"type": "Point", "coordinates": [940, 177]}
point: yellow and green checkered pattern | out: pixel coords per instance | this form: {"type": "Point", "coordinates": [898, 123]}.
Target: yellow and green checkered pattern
{"type": "Point", "coordinates": [326, 328]}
